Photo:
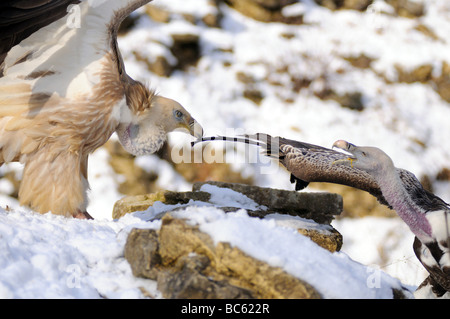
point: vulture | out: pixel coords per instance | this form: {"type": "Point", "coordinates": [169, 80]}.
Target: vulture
{"type": "Point", "coordinates": [371, 170]}
{"type": "Point", "coordinates": [427, 216]}
{"type": "Point", "coordinates": [64, 92]}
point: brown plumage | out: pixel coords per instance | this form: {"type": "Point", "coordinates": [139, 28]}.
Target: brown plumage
{"type": "Point", "coordinates": [371, 170]}
{"type": "Point", "coordinates": [427, 215]}
{"type": "Point", "coordinates": [64, 92]}
{"type": "Point", "coordinates": [309, 163]}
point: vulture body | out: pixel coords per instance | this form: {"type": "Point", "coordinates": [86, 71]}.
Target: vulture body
{"type": "Point", "coordinates": [309, 163]}
{"type": "Point", "coordinates": [63, 93]}
{"type": "Point", "coordinates": [371, 170]}
{"type": "Point", "coordinates": [427, 215]}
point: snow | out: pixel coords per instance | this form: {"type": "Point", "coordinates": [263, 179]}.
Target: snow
{"type": "Point", "coordinates": [333, 275]}
{"type": "Point", "coordinates": [224, 197]}
{"type": "Point", "coordinates": [48, 256]}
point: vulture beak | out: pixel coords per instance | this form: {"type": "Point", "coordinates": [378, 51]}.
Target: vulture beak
{"type": "Point", "coordinates": [195, 129]}
{"type": "Point", "coordinates": [345, 148]}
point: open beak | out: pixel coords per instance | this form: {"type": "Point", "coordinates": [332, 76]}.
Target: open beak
{"type": "Point", "coordinates": [345, 148]}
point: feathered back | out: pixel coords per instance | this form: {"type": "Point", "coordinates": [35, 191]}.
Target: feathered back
{"type": "Point", "coordinates": [312, 163]}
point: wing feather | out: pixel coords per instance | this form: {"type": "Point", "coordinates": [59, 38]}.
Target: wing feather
{"type": "Point", "coordinates": [313, 163]}
{"type": "Point", "coordinates": [20, 18]}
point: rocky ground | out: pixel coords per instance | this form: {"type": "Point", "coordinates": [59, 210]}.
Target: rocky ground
{"type": "Point", "coordinates": [187, 263]}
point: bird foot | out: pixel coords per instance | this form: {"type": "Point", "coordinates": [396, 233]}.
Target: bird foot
{"type": "Point", "coordinates": [83, 215]}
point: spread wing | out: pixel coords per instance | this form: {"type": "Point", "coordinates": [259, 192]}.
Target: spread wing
{"type": "Point", "coordinates": [60, 64]}
{"type": "Point", "coordinates": [21, 18]}
{"type": "Point", "coordinates": [58, 48]}
{"type": "Point", "coordinates": [61, 93]}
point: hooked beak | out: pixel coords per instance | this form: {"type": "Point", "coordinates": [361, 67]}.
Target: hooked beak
{"type": "Point", "coordinates": [345, 148]}
{"type": "Point", "coordinates": [195, 129]}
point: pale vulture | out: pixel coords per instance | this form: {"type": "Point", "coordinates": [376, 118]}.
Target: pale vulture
{"type": "Point", "coordinates": [64, 92]}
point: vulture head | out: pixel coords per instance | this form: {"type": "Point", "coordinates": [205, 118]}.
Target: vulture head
{"type": "Point", "coordinates": [369, 159]}
{"type": "Point", "coordinates": [148, 118]}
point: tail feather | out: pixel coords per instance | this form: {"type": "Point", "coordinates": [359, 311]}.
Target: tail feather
{"type": "Point", "coordinates": [247, 139]}
{"type": "Point", "coordinates": [270, 145]}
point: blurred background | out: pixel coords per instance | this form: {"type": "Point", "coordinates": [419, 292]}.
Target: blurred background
{"type": "Point", "coordinates": [370, 72]}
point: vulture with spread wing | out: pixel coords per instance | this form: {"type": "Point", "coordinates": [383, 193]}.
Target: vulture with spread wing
{"type": "Point", "coordinates": [63, 93]}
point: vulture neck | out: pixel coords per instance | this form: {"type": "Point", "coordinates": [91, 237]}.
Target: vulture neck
{"type": "Point", "coordinates": [404, 204]}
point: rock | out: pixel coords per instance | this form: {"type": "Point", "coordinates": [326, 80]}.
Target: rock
{"type": "Point", "coordinates": [359, 5]}
{"type": "Point", "coordinates": [442, 83]}
{"type": "Point", "coordinates": [161, 13]}
{"type": "Point", "coordinates": [184, 280]}
{"type": "Point", "coordinates": [186, 49]}
{"type": "Point", "coordinates": [186, 264]}
{"type": "Point", "coordinates": [443, 174]}
{"type": "Point", "coordinates": [130, 204]}
{"type": "Point", "coordinates": [361, 61]}
{"type": "Point", "coordinates": [274, 4]}
{"type": "Point", "coordinates": [157, 13]}
{"type": "Point", "coordinates": [254, 95]}
{"type": "Point", "coordinates": [266, 10]}
{"type": "Point", "coordinates": [403, 8]}
{"type": "Point", "coordinates": [427, 32]}
{"type": "Point", "coordinates": [159, 65]}
{"type": "Point", "coordinates": [321, 207]}
{"type": "Point", "coordinates": [422, 74]}
{"type": "Point", "coordinates": [331, 241]}
{"type": "Point", "coordinates": [407, 8]}
{"type": "Point", "coordinates": [142, 249]}
{"type": "Point", "coordinates": [212, 20]}
{"type": "Point", "coordinates": [351, 100]}
{"type": "Point", "coordinates": [188, 282]}
{"type": "Point", "coordinates": [318, 208]}
{"type": "Point", "coordinates": [250, 91]}
{"type": "Point", "coordinates": [323, 235]}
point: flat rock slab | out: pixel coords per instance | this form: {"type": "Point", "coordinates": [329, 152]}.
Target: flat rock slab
{"type": "Point", "coordinates": [320, 207]}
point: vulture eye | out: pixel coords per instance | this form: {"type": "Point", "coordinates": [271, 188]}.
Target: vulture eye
{"type": "Point", "coordinates": [178, 114]}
